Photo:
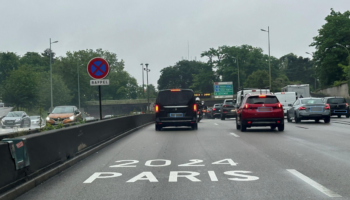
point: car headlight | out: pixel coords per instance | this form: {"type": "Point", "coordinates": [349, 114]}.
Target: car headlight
{"type": "Point", "coordinates": [71, 117]}
{"type": "Point", "coordinates": [47, 118]}
{"type": "Point", "coordinates": [17, 120]}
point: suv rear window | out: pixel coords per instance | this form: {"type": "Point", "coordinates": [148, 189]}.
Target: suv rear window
{"type": "Point", "coordinates": [229, 102]}
{"type": "Point", "coordinates": [336, 100]}
{"type": "Point", "coordinates": [262, 100]}
{"type": "Point", "coordinates": [168, 98]}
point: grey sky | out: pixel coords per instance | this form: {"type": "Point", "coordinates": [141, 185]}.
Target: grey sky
{"type": "Point", "coordinates": [157, 31]}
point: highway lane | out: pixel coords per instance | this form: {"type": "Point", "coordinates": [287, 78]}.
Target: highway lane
{"type": "Point", "coordinates": [307, 161]}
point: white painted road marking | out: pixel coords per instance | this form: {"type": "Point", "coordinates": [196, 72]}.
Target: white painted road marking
{"type": "Point", "coordinates": [313, 183]}
{"type": "Point", "coordinates": [234, 134]}
{"type": "Point", "coordinates": [216, 124]}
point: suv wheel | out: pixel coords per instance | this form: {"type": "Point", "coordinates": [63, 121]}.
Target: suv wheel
{"type": "Point", "coordinates": [297, 120]}
{"type": "Point", "coordinates": [327, 120]}
{"type": "Point", "coordinates": [222, 117]}
{"type": "Point", "coordinates": [347, 115]}
{"type": "Point", "coordinates": [158, 128]}
{"type": "Point", "coordinates": [243, 127]}
{"type": "Point", "coordinates": [281, 127]}
{"type": "Point", "coordinates": [237, 126]}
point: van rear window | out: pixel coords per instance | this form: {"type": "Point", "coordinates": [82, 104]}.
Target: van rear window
{"type": "Point", "coordinates": [168, 98]}
{"type": "Point", "coordinates": [264, 100]}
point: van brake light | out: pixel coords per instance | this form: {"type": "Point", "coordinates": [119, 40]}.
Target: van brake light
{"type": "Point", "coordinates": [175, 90]}
{"type": "Point", "coordinates": [157, 108]}
{"type": "Point", "coordinates": [194, 107]}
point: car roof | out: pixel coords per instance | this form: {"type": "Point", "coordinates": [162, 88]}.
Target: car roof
{"type": "Point", "coordinates": [251, 95]}
{"type": "Point", "coordinates": [334, 97]}
{"type": "Point", "coordinates": [65, 106]}
{"type": "Point", "coordinates": [309, 98]}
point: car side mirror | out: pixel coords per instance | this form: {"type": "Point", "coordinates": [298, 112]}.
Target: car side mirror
{"type": "Point", "coordinates": [76, 112]}
{"type": "Point", "coordinates": [290, 105]}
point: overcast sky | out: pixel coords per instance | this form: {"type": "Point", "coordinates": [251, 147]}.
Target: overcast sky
{"type": "Point", "coordinates": [157, 31]}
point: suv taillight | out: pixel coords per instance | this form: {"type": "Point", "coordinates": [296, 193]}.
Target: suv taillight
{"type": "Point", "coordinates": [302, 108]}
{"type": "Point", "coordinates": [156, 108]}
{"type": "Point", "coordinates": [327, 107]}
{"type": "Point", "coordinates": [194, 107]}
{"type": "Point", "coordinates": [214, 109]}
{"type": "Point", "coordinates": [246, 106]}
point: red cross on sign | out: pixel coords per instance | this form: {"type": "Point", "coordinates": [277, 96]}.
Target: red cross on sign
{"type": "Point", "coordinates": [98, 68]}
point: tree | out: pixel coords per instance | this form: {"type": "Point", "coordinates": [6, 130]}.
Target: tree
{"type": "Point", "coordinates": [180, 75]}
{"type": "Point", "coordinates": [203, 80]}
{"type": "Point", "coordinates": [328, 55]}
{"type": "Point", "coordinates": [21, 88]}
{"type": "Point", "coordinates": [38, 62]}
{"type": "Point", "coordinates": [9, 61]}
{"type": "Point", "coordinates": [257, 80]}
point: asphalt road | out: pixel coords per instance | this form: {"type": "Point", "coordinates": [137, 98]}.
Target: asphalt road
{"type": "Point", "coordinates": [307, 161]}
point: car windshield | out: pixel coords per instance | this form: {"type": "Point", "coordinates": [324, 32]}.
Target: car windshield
{"type": "Point", "coordinates": [14, 114]}
{"type": "Point", "coordinates": [311, 101]}
{"type": "Point", "coordinates": [336, 100]}
{"type": "Point", "coordinates": [34, 117]}
{"type": "Point", "coordinates": [262, 100]}
{"type": "Point", "coordinates": [168, 98]}
{"type": "Point", "coordinates": [60, 110]}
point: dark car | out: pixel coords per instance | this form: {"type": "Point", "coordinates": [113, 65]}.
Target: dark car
{"type": "Point", "coordinates": [216, 111]}
{"type": "Point", "coordinates": [309, 108]}
{"type": "Point", "coordinates": [260, 110]}
{"type": "Point", "coordinates": [228, 109]}
{"type": "Point", "coordinates": [176, 107]}
{"type": "Point", "coordinates": [338, 106]}
{"type": "Point", "coordinates": [16, 118]}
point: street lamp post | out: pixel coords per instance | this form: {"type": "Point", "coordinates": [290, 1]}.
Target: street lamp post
{"type": "Point", "coordinates": [78, 83]}
{"type": "Point", "coordinates": [147, 70]}
{"type": "Point", "coordinates": [143, 83]}
{"type": "Point", "coordinates": [268, 33]}
{"type": "Point", "coordinates": [312, 54]}
{"type": "Point", "coordinates": [51, 74]}
{"type": "Point", "coordinates": [237, 72]}
{"type": "Point", "coordinates": [346, 50]}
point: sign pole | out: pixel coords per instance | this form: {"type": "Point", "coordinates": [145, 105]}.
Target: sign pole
{"type": "Point", "coordinates": [99, 96]}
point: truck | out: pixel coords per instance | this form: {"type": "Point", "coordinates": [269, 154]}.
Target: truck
{"type": "Point", "coordinates": [303, 90]}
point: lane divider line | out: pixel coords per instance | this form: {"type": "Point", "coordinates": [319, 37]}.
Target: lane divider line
{"type": "Point", "coordinates": [234, 134]}
{"type": "Point", "coordinates": [313, 183]}
{"type": "Point", "coordinates": [216, 124]}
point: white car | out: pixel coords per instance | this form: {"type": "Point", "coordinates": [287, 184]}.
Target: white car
{"type": "Point", "coordinates": [35, 121]}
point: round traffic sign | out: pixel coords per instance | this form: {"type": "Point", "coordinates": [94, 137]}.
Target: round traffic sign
{"type": "Point", "coordinates": [98, 68]}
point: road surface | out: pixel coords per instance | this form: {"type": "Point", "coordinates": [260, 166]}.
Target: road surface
{"type": "Point", "coordinates": [307, 161]}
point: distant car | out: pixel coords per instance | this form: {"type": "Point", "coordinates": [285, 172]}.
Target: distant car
{"type": "Point", "coordinates": [260, 110]}
{"type": "Point", "coordinates": [35, 120]}
{"type": "Point", "coordinates": [228, 109]}
{"type": "Point", "coordinates": [15, 119]}
{"type": "Point", "coordinates": [176, 107]}
{"type": "Point", "coordinates": [208, 113]}
{"type": "Point", "coordinates": [309, 108]}
{"type": "Point", "coordinates": [89, 118]}
{"type": "Point", "coordinates": [216, 111]}
{"type": "Point", "coordinates": [64, 114]}
{"type": "Point", "coordinates": [338, 106]}
{"type": "Point", "coordinates": [108, 116]}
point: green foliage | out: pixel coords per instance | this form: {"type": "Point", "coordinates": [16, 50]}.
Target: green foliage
{"type": "Point", "coordinates": [20, 88]}
{"type": "Point", "coordinates": [328, 54]}
{"type": "Point", "coordinates": [258, 79]}
{"type": "Point", "coordinates": [9, 61]}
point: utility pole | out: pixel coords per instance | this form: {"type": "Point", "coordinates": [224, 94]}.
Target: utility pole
{"type": "Point", "coordinates": [78, 84]}
{"type": "Point", "coordinates": [268, 33]}
{"type": "Point", "coordinates": [147, 70]}
{"type": "Point", "coordinates": [51, 73]}
{"type": "Point", "coordinates": [143, 83]}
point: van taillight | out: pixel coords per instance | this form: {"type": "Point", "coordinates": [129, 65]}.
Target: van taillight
{"type": "Point", "coordinates": [157, 108]}
{"type": "Point", "coordinates": [194, 107]}
{"type": "Point", "coordinates": [246, 106]}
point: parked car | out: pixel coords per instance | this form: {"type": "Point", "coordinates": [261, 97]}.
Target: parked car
{"type": "Point", "coordinates": [37, 121]}
{"type": "Point", "coordinates": [338, 106]}
{"type": "Point", "coordinates": [64, 114]}
{"type": "Point", "coordinates": [309, 108]}
{"type": "Point", "coordinates": [16, 118]}
{"type": "Point", "coordinates": [260, 110]}
{"type": "Point", "coordinates": [228, 109]}
{"type": "Point", "coordinates": [176, 107]}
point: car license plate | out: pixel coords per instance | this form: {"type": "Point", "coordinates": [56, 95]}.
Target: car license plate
{"type": "Point", "coordinates": [315, 109]}
{"type": "Point", "coordinates": [264, 109]}
{"type": "Point", "coordinates": [176, 115]}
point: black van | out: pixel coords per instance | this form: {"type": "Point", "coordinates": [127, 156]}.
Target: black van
{"type": "Point", "coordinates": [176, 107]}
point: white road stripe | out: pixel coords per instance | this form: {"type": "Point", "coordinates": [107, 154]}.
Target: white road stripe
{"type": "Point", "coordinates": [216, 124]}
{"type": "Point", "coordinates": [234, 134]}
{"type": "Point", "coordinates": [313, 183]}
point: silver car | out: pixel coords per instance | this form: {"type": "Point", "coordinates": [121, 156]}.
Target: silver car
{"type": "Point", "coordinates": [15, 119]}
{"type": "Point", "coordinates": [37, 121]}
{"type": "Point", "coordinates": [309, 108]}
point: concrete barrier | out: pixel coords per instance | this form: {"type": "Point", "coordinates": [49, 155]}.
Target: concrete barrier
{"type": "Point", "coordinates": [49, 149]}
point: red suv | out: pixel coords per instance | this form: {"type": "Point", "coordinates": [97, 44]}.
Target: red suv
{"type": "Point", "coordinates": [260, 110]}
